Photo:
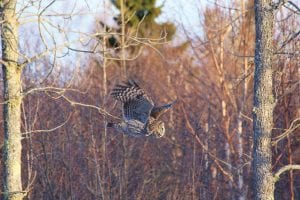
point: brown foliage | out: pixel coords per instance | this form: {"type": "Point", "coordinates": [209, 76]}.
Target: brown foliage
{"type": "Point", "coordinates": [199, 156]}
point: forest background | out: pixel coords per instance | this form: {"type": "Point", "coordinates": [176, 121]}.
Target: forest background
{"type": "Point", "coordinates": [203, 57]}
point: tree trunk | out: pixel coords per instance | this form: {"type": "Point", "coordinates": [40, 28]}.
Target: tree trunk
{"type": "Point", "coordinates": [263, 101]}
{"type": "Point", "coordinates": [242, 192]}
{"type": "Point", "coordinates": [12, 106]}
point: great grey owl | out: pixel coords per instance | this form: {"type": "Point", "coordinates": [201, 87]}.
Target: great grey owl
{"type": "Point", "coordinates": [140, 114]}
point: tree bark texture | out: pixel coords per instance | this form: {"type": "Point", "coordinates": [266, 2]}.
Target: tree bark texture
{"type": "Point", "coordinates": [263, 101]}
{"type": "Point", "coordinates": [12, 106]}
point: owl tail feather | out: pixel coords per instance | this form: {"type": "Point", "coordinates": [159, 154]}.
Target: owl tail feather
{"type": "Point", "coordinates": [116, 126]}
{"type": "Point", "coordinates": [110, 125]}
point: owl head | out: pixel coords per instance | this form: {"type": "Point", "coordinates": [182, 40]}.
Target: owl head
{"type": "Point", "coordinates": [159, 130]}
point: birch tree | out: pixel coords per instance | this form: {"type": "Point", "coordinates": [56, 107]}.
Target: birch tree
{"type": "Point", "coordinates": [12, 102]}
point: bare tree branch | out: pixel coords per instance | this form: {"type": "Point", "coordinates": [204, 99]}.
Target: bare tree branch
{"type": "Point", "coordinates": [290, 39]}
{"type": "Point", "coordinates": [294, 126]}
{"type": "Point", "coordinates": [204, 147]}
{"type": "Point", "coordinates": [284, 169]}
{"type": "Point", "coordinates": [48, 130]}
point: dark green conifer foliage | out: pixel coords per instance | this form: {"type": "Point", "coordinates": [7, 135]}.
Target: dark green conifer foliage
{"type": "Point", "coordinates": [140, 17]}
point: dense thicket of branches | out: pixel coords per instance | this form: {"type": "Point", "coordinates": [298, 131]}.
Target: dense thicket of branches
{"type": "Point", "coordinates": [207, 150]}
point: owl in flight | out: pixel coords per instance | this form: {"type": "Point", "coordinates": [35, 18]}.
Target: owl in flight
{"type": "Point", "coordinates": [140, 114]}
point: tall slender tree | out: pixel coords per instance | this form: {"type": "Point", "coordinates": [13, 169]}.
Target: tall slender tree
{"type": "Point", "coordinates": [12, 102]}
{"type": "Point", "coordinates": [264, 101]}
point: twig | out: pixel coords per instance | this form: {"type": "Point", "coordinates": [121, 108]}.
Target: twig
{"type": "Point", "coordinates": [289, 40]}
{"type": "Point", "coordinates": [284, 169]}
{"type": "Point", "coordinates": [48, 130]}
{"type": "Point", "coordinates": [295, 6]}
{"type": "Point", "coordinates": [60, 92]}
{"type": "Point", "coordinates": [204, 147]}
{"type": "Point", "coordinates": [50, 89]}
{"type": "Point", "coordinates": [294, 125]}
{"type": "Point", "coordinates": [101, 110]}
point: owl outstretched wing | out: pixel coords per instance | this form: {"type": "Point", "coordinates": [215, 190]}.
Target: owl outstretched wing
{"type": "Point", "coordinates": [157, 111]}
{"type": "Point", "coordinates": [137, 105]}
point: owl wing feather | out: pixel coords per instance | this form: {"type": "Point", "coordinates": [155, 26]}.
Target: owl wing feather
{"type": "Point", "coordinates": [157, 111]}
{"type": "Point", "coordinates": [137, 105]}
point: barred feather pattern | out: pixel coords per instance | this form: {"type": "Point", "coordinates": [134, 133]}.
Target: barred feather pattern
{"type": "Point", "coordinates": [159, 110]}
{"type": "Point", "coordinates": [133, 128]}
{"type": "Point", "coordinates": [136, 128]}
{"type": "Point", "coordinates": [139, 113]}
{"type": "Point", "coordinates": [130, 91]}
{"type": "Point", "coordinates": [136, 104]}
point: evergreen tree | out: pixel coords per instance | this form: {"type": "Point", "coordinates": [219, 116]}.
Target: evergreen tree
{"type": "Point", "coordinates": [140, 16]}
{"type": "Point", "coordinates": [140, 21]}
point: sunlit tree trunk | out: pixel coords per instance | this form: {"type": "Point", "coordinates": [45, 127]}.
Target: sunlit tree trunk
{"type": "Point", "coordinates": [124, 179]}
{"type": "Point", "coordinates": [240, 157]}
{"type": "Point", "coordinates": [263, 101]}
{"type": "Point", "coordinates": [12, 106]}
{"type": "Point", "coordinates": [225, 117]}
{"type": "Point", "coordinates": [242, 190]}
{"type": "Point", "coordinates": [205, 192]}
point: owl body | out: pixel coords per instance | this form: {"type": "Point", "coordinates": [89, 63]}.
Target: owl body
{"type": "Point", "coordinates": [133, 128]}
{"type": "Point", "coordinates": [155, 128]}
{"type": "Point", "coordinates": [140, 115]}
